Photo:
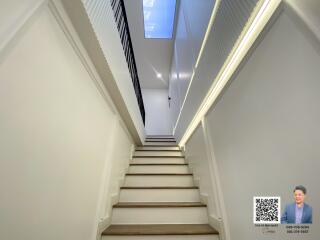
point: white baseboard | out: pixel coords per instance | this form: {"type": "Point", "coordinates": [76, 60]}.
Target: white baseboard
{"type": "Point", "coordinates": [103, 224]}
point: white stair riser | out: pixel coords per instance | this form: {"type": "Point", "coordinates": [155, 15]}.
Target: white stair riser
{"type": "Point", "coordinates": [157, 148]}
{"type": "Point", "coordinates": [163, 237]}
{"type": "Point", "coordinates": [158, 160]}
{"type": "Point", "coordinates": [147, 181]}
{"type": "Point", "coordinates": [159, 169]}
{"type": "Point", "coordinates": [159, 195]}
{"type": "Point", "coordinates": [160, 143]}
{"type": "Point", "coordinates": [170, 215]}
{"type": "Point", "coordinates": [158, 153]}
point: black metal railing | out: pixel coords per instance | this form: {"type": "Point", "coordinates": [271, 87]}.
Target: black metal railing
{"type": "Point", "coordinates": [123, 28]}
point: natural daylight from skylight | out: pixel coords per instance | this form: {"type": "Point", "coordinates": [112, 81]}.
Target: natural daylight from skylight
{"type": "Point", "coordinates": [158, 18]}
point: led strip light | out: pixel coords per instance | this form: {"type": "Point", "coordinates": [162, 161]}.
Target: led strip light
{"type": "Point", "coordinates": [259, 19]}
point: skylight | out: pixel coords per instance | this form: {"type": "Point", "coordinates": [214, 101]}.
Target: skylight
{"type": "Point", "coordinates": [158, 18]}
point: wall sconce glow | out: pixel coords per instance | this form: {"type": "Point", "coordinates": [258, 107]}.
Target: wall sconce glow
{"type": "Point", "coordinates": [159, 75]}
{"type": "Point", "coordinates": [158, 16]}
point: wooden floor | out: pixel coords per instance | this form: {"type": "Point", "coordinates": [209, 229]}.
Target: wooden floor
{"type": "Point", "coordinates": [160, 229]}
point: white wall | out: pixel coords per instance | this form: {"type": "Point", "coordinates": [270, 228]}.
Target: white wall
{"type": "Point", "coordinates": [192, 23]}
{"type": "Point", "coordinates": [263, 131]}
{"type": "Point", "coordinates": [158, 119]}
{"type": "Point", "coordinates": [97, 29]}
{"type": "Point", "coordinates": [61, 136]}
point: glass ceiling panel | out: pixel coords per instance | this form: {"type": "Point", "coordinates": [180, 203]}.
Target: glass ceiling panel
{"type": "Point", "coordinates": [158, 18]}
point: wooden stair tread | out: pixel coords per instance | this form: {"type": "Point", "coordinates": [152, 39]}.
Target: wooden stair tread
{"type": "Point", "coordinates": [160, 187]}
{"type": "Point", "coordinates": [160, 229]}
{"type": "Point", "coordinates": [158, 174]}
{"type": "Point", "coordinates": [158, 164]}
{"type": "Point", "coordinates": [158, 156]}
{"type": "Point", "coordinates": [158, 204]}
{"type": "Point", "coordinates": [158, 146]}
{"type": "Point", "coordinates": [157, 150]}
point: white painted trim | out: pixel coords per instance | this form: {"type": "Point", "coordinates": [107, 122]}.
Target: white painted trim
{"type": "Point", "coordinates": [217, 224]}
{"type": "Point", "coordinates": [215, 178]}
{"type": "Point", "coordinates": [302, 20]}
{"type": "Point", "coordinates": [209, 155]}
{"type": "Point", "coordinates": [196, 180]}
{"type": "Point", "coordinates": [64, 22]}
{"type": "Point", "coordinates": [103, 224]}
{"type": "Point", "coordinates": [204, 198]}
{"type": "Point", "coordinates": [10, 37]}
{"type": "Point", "coordinates": [214, 221]}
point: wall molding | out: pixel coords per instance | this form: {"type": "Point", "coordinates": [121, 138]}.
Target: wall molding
{"type": "Point", "coordinates": [222, 219]}
{"type": "Point", "coordinates": [103, 224]}
{"type": "Point", "coordinates": [65, 24]}
{"type": "Point", "coordinates": [217, 223]}
{"type": "Point", "coordinates": [18, 28]}
{"type": "Point", "coordinates": [305, 24]}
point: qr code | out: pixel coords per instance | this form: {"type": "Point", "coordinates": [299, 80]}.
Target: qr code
{"type": "Point", "coordinates": [266, 210]}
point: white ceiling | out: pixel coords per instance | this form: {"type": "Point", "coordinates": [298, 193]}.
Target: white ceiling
{"type": "Point", "coordinates": [152, 56]}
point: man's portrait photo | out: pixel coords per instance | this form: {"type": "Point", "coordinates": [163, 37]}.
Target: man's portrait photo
{"type": "Point", "coordinates": [298, 212]}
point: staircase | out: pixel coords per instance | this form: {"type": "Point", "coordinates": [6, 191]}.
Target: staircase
{"type": "Point", "coordinates": [159, 199]}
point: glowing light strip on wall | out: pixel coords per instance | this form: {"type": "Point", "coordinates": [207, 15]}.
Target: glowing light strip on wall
{"type": "Point", "coordinates": [256, 23]}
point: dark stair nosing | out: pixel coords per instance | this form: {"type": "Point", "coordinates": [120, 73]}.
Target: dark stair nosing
{"type": "Point", "coordinates": [160, 187]}
{"type": "Point", "coordinates": [158, 156]}
{"type": "Point", "coordinates": [160, 141]}
{"type": "Point", "coordinates": [158, 204]}
{"type": "Point", "coordinates": [159, 146]}
{"type": "Point", "coordinates": [158, 150]}
{"type": "Point", "coordinates": [160, 229]}
{"type": "Point", "coordinates": [158, 164]}
{"type": "Point", "coordinates": [164, 138]}
{"type": "Point", "coordinates": [159, 174]}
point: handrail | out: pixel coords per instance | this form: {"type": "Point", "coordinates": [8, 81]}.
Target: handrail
{"type": "Point", "coordinates": [123, 28]}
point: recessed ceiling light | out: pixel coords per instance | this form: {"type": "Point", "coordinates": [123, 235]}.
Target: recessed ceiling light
{"type": "Point", "coordinates": [159, 75]}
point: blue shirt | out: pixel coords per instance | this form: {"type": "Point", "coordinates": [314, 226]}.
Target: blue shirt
{"type": "Point", "coordinates": [299, 211]}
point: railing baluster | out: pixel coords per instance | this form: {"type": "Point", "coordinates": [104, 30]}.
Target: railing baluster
{"type": "Point", "coordinates": [123, 28]}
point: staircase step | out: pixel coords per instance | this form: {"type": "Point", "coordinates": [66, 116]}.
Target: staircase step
{"type": "Point", "coordinates": [158, 204]}
{"type": "Point", "coordinates": [154, 180]}
{"type": "Point", "coordinates": [161, 237]}
{"type": "Point", "coordinates": [147, 143]}
{"type": "Point", "coordinates": [158, 174]}
{"type": "Point", "coordinates": [158, 164]}
{"type": "Point", "coordinates": [157, 149]}
{"type": "Point", "coordinates": [160, 140]}
{"type": "Point", "coordinates": [166, 153]}
{"type": "Point", "coordinates": [156, 156]}
{"type": "Point", "coordinates": [152, 168]}
{"type": "Point", "coordinates": [160, 160]}
{"type": "Point", "coordinates": [167, 148]}
{"type": "Point", "coordinates": [160, 229]}
{"type": "Point", "coordinates": [159, 213]}
{"type": "Point", "coordinates": [166, 194]}
{"type": "Point", "coordinates": [160, 136]}
{"type": "Point", "coordinates": [160, 187]}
